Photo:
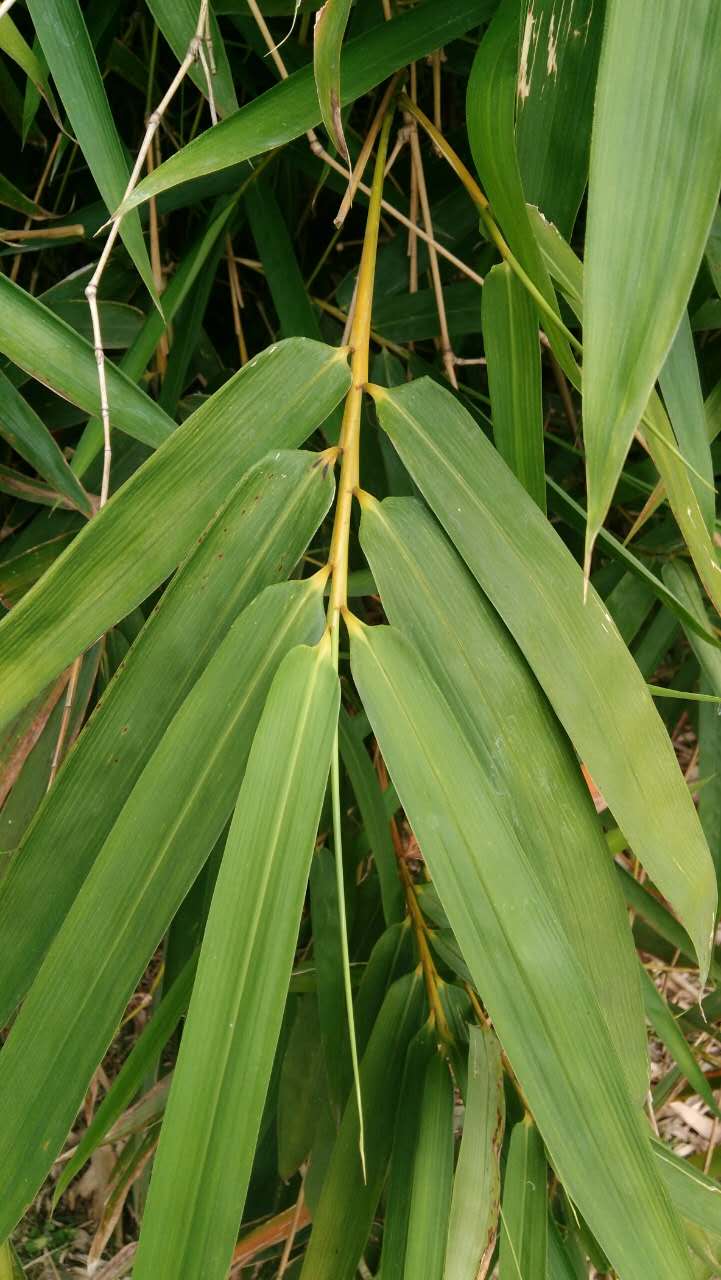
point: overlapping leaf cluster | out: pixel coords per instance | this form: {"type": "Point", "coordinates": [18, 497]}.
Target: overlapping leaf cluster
{"type": "Point", "coordinates": [300, 729]}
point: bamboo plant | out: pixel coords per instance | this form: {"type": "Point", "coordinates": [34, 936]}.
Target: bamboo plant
{"type": "Point", "coordinates": [310, 678]}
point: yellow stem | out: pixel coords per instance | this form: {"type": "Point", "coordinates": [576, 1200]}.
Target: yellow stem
{"type": "Point", "coordinates": [350, 430]}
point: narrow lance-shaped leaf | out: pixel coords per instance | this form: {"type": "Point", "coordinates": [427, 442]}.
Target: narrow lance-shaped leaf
{"type": "Point", "coordinates": [367, 792]}
{"type": "Point", "coordinates": [490, 114]}
{"type": "Point", "coordinates": [660, 67]}
{"type": "Point", "coordinates": [528, 976]}
{"type": "Point", "coordinates": [344, 1215]}
{"type": "Point", "coordinates": [432, 1175]}
{"type": "Point", "coordinates": [664, 1024]}
{"type": "Point", "coordinates": [256, 539]}
{"type": "Point", "coordinates": [17, 48]}
{"type": "Point", "coordinates": [429, 594]}
{"type": "Point", "coordinates": [330, 25]}
{"type": "Point", "coordinates": [216, 1100]}
{"type": "Point", "coordinates": [559, 49]}
{"type": "Point", "coordinates": [288, 109]}
{"type": "Point", "coordinates": [53, 353]}
{"type": "Point", "coordinates": [145, 529]}
{"type": "Point", "coordinates": [574, 649]}
{"type": "Point", "coordinates": [132, 1075]}
{"type": "Point", "coordinates": [513, 359]}
{"type": "Point", "coordinates": [681, 388]}
{"type": "Point", "coordinates": [399, 1189]}
{"type": "Point", "coordinates": [23, 429]}
{"type": "Point", "coordinates": [477, 1180]}
{"type": "Point", "coordinates": [65, 42]}
{"type": "Point", "coordinates": [152, 856]}
{"type": "Point", "coordinates": [524, 1225]}
{"type": "Point", "coordinates": [567, 270]}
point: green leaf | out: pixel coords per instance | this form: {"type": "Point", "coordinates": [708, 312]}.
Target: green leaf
{"type": "Point", "coordinates": [477, 1181]}
{"type": "Point", "coordinates": [399, 1190]}
{"type": "Point", "coordinates": [290, 108]}
{"type": "Point", "coordinates": [132, 1075]}
{"type": "Point", "coordinates": [664, 1024]}
{"type": "Point", "coordinates": [490, 117]}
{"type": "Point", "coordinates": [28, 436]}
{"type": "Point", "coordinates": [13, 44]}
{"type": "Point", "coordinates": [428, 594]}
{"type": "Point", "coordinates": [681, 389]}
{"type": "Point", "coordinates": [533, 986]}
{"type": "Point", "coordinates": [328, 960]}
{"type": "Point", "coordinates": [524, 1224]}
{"type": "Point", "coordinates": [344, 1214]}
{"type": "Point", "coordinates": [574, 649]}
{"type": "Point", "coordinates": [12, 198]}
{"type": "Point", "coordinates": [659, 68]}
{"type": "Point", "coordinates": [151, 857]}
{"type": "Point", "coordinates": [216, 1099]}
{"type": "Point", "coordinates": [513, 358]}
{"type": "Point", "coordinates": [366, 789]}
{"type": "Point", "coordinates": [66, 45]}
{"type": "Point", "coordinates": [10, 1266]}
{"type": "Point", "coordinates": [52, 352]}
{"type": "Point", "coordinates": [557, 75]}
{"type": "Point", "coordinates": [567, 270]}
{"type": "Point", "coordinates": [330, 25]}
{"type": "Point", "coordinates": [301, 1090]}
{"type": "Point", "coordinates": [296, 314]}
{"type": "Point", "coordinates": [432, 1175]}
{"type": "Point", "coordinates": [145, 529]}
{"type": "Point", "coordinates": [255, 540]}
{"type": "Point", "coordinates": [177, 20]}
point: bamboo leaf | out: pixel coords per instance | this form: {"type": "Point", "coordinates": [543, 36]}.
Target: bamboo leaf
{"type": "Point", "coordinates": [513, 358]}
{"type": "Point", "coordinates": [132, 1075]}
{"type": "Point", "coordinates": [493, 85]}
{"type": "Point", "coordinates": [558, 62]}
{"type": "Point", "coordinates": [405, 1140]}
{"type": "Point", "coordinates": [330, 24]}
{"type": "Point", "coordinates": [432, 1175]}
{"type": "Point", "coordinates": [142, 533]}
{"type": "Point", "coordinates": [344, 1214]}
{"type": "Point", "coordinates": [681, 389]}
{"type": "Point", "coordinates": [578, 657]}
{"type": "Point", "coordinates": [330, 993]}
{"type": "Point", "coordinates": [209, 1134]}
{"type": "Point", "coordinates": [52, 352]}
{"type": "Point", "coordinates": [177, 20]}
{"type": "Point", "coordinates": [566, 268]}
{"type": "Point", "coordinates": [430, 596]}
{"type": "Point", "coordinates": [370, 802]}
{"type": "Point", "coordinates": [659, 67]}
{"type": "Point", "coordinates": [477, 1181]}
{"type": "Point", "coordinates": [301, 1089]}
{"type": "Point", "coordinates": [255, 540]}
{"type": "Point", "coordinates": [664, 1024]}
{"type": "Point", "coordinates": [154, 852]}
{"type": "Point", "coordinates": [13, 44]}
{"type": "Point", "coordinates": [66, 45]}
{"type": "Point", "coordinates": [28, 436]}
{"type": "Point", "coordinates": [528, 976]}
{"type": "Point", "coordinates": [524, 1224]}
{"type": "Point", "coordinates": [288, 109]}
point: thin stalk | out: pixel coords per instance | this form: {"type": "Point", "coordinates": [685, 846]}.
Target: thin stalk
{"type": "Point", "coordinates": [489, 222]}
{"type": "Point", "coordinates": [338, 558]}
